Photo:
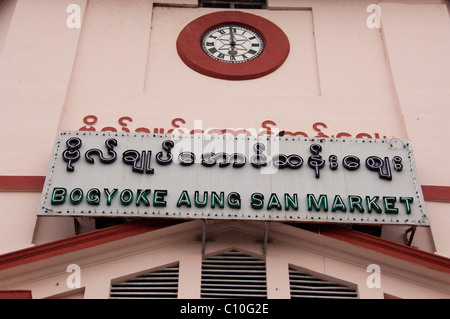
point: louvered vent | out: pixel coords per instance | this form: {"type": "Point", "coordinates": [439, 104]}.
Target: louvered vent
{"type": "Point", "coordinates": [307, 286]}
{"type": "Point", "coordinates": [158, 284]}
{"type": "Point", "coordinates": [233, 275]}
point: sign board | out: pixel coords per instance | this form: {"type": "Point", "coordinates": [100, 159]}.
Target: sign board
{"type": "Point", "coordinates": [294, 179]}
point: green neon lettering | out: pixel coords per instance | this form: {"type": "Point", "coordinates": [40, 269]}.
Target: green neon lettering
{"type": "Point", "coordinates": [58, 196]}
{"type": "Point", "coordinates": [142, 196]}
{"type": "Point", "coordinates": [338, 204]}
{"type": "Point", "coordinates": [93, 196]}
{"type": "Point", "coordinates": [110, 195]}
{"type": "Point", "coordinates": [355, 202]}
{"type": "Point", "coordinates": [317, 204]}
{"type": "Point", "coordinates": [372, 204]}
{"type": "Point", "coordinates": [273, 202]}
{"type": "Point", "coordinates": [290, 202]}
{"type": "Point", "coordinates": [389, 205]}
{"type": "Point", "coordinates": [197, 201]}
{"type": "Point", "coordinates": [184, 199]}
{"type": "Point", "coordinates": [407, 201]}
{"type": "Point", "coordinates": [234, 200]}
{"type": "Point", "coordinates": [219, 199]}
{"type": "Point", "coordinates": [158, 198]}
{"type": "Point", "coordinates": [126, 197]}
{"type": "Point", "coordinates": [257, 201]}
{"type": "Point", "coordinates": [76, 196]}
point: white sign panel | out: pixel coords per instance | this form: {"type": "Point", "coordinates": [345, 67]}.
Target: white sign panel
{"type": "Point", "coordinates": [107, 174]}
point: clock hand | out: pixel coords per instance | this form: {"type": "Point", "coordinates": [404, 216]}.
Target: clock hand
{"type": "Point", "coordinates": [232, 40]}
{"type": "Point", "coordinates": [232, 50]}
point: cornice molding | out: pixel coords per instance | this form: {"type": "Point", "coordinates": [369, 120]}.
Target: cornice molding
{"type": "Point", "coordinates": [384, 246]}
{"type": "Point", "coordinates": [78, 242]}
{"type": "Point", "coordinates": [102, 236]}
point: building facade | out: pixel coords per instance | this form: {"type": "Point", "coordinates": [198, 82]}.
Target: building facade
{"type": "Point", "coordinates": [314, 71]}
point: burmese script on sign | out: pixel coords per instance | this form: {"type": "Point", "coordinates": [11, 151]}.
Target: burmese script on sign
{"type": "Point", "coordinates": [297, 179]}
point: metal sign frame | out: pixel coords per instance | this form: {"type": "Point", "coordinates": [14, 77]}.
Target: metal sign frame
{"type": "Point", "coordinates": [269, 178]}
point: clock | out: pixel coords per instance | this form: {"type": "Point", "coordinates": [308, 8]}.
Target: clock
{"type": "Point", "coordinates": [232, 45]}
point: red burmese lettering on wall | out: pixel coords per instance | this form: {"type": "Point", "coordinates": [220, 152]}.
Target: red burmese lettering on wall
{"type": "Point", "coordinates": [267, 125]}
{"type": "Point", "coordinates": [89, 120]}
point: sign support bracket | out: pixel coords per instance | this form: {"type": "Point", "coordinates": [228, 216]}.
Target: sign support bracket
{"type": "Point", "coordinates": [266, 237]}
{"type": "Point", "coordinates": [204, 237]}
{"type": "Point", "coordinates": [411, 230]}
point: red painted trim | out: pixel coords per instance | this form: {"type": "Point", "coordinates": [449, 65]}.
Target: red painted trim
{"type": "Point", "coordinates": [22, 183]}
{"type": "Point", "coordinates": [384, 246]}
{"type": "Point", "coordinates": [275, 52]}
{"type": "Point", "coordinates": [79, 242]}
{"type": "Point", "coordinates": [15, 294]}
{"type": "Point", "coordinates": [36, 183]}
{"type": "Point", "coordinates": [436, 193]}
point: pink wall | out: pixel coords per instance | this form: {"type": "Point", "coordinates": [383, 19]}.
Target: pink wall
{"type": "Point", "coordinates": [392, 81]}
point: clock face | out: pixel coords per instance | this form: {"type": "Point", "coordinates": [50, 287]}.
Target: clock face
{"type": "Point", "coordinates": [232, 43]}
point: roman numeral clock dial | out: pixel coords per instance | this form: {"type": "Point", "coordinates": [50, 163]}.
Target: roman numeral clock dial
{"type": "Point", "coordinates": [232, 44]}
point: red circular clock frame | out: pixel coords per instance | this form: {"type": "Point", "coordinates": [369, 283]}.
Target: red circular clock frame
{"type": "Point", "coordinates": [275, 51]}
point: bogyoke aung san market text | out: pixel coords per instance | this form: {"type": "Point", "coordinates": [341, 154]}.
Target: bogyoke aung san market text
{"type": "Point", "coordinates": [213, 199]}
